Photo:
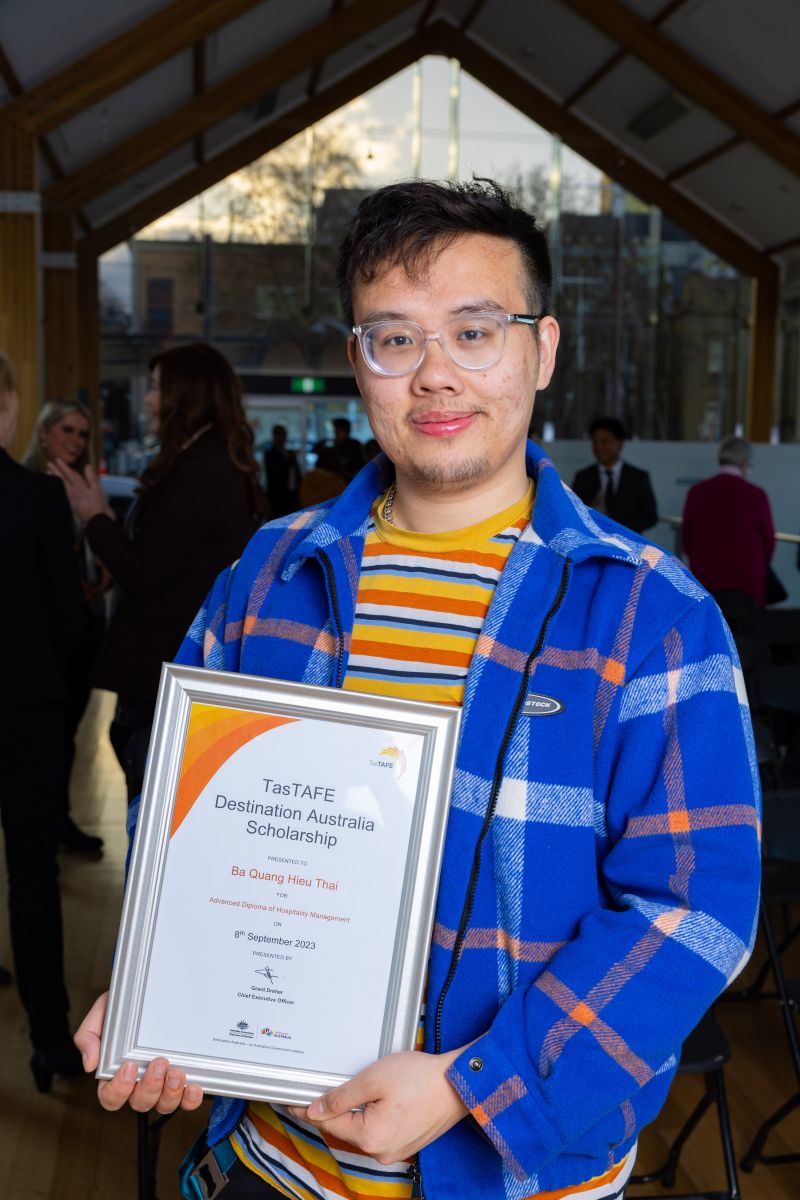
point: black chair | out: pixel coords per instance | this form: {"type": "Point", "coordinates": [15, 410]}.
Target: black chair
{"type": "Point", "coordinates": [780, 627]}
{"type": "Point", "coordinates": [148, 1138]}
{"type": "Point", "coordinates": [776, 693]}
{"type": "Point", "coordinates": [753, 654]}
{"type": "Point", "coordinates": [704, 1052]}
{"type": "Point", "coordinates": [780, 886]}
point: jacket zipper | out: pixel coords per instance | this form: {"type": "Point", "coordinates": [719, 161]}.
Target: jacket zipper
{"type": "Point", "coordinates": [337, 616]}
{"type": "Point", "coordinates": [496, 782]}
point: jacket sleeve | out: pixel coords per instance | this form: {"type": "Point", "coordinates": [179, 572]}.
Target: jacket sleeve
{"type": "Point", "coordinates": [675, 766]}
{"type": "Point", "coordinates": [173, 527]}
{"type": "Point", "coordinates": [155, 557]}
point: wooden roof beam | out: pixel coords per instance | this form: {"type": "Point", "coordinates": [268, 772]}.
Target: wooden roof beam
{"type": "Point", "coordinates": [605, 69]}
{"type": "Point", "coordinates": [120, 61]}
{"type": "Point", "coordinates": [275, 132]}
{"type": "Point", "coordinates": [723, 147]}
{"type": "Point", "coordinates": [48, 154]}
{"type": "Point", "coordinates": [199, 87]}
{"type": "Point", "coordinates": [316, 70]}
{"type": "Point", "coordinates": [692, 78]}
{"type": "Point", "coordinates": [613, 160]}
{"type": "Point", "coordinates": [472, 14]}
{"type": "Point", "coordinates": [200, 113]}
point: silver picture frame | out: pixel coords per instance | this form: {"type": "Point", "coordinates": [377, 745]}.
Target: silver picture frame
{"type": "Point", "coordinates": [229, 1072]}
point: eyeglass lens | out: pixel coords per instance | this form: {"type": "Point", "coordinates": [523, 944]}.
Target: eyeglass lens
{"type": "Point", "coordinates": [397, 347]}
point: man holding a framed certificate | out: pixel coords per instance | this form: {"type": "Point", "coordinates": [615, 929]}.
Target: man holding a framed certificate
{"type": "Point", "coordinates": [599, 878]}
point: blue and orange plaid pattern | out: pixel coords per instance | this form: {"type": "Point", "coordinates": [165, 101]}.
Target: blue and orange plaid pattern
{"type": "Point", "coordinates": [617, 887]}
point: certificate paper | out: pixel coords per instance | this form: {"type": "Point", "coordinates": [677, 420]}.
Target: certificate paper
{"type": "Point", "coordinates": [283, 883]}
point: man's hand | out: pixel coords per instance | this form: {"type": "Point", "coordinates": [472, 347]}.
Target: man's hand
{"type": "Point", "coordinates": [407, 1103]}
{"type": "Point", "coordinates": [162, 1087]}
{"type": "Point", "coordinates": [86, 497]}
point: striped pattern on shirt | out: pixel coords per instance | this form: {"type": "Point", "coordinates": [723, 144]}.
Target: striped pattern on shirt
{"type": "Point", "coordinates": [422, 600]}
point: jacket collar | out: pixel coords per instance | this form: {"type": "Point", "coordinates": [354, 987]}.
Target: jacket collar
{"type": "Point", "coordinates": [560, 521]}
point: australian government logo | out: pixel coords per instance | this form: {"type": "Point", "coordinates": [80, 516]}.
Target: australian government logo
{"type": "Point", "coordinates": [242, 1030]}
{"type": "Point", "coordinates": [390, 759]}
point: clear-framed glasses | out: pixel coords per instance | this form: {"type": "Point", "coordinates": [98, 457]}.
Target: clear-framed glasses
{"type": "Point", "coordinates": [474, 341]}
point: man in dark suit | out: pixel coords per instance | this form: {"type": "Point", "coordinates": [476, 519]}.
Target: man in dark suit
{"type": "Point", "coordinates": [614, 487]}
{"type": "Point", "coordinates": [283, 475]}
{"type": "Point", "coordinates": [42, 615]}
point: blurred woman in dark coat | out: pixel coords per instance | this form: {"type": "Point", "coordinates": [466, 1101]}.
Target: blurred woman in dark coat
{"type": "Point", "coordinates": [198, 502]}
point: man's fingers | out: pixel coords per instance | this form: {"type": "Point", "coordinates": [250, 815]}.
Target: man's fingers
{"type": "Point", "coordinates": [162, 1088]}
{"type": "Point", "coordinates": [338, 1101]}
{"type": "Point", "coordinates": [87, 1037]}
{"type": "Point", "coordinates": [149, 1091]}
{"type": "Point", "coordinates": [176, 1094]}
{"type": "Point", "coordinates": [192, 1097]}
{"type": "Point", "coordinates": [113, 1093]}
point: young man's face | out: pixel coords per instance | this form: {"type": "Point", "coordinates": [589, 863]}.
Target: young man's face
{"type": "Point", "coordinates": [447, 429]}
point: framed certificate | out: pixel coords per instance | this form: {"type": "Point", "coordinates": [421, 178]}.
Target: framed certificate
{"type": "Point", "coordinates": [279, 908]}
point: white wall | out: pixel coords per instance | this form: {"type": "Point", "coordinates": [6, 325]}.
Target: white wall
{"type": "Point", "coordinates": [674, 466]}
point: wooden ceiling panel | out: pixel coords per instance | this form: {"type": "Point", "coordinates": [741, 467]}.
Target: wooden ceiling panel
{"type": "Point", "coordinates": [133, 107]}
{"type": "Point", "coordinates": [171, 167]}
{"type": "Point", "coordinates": [168, 30]}
{"type": "Point", "coordinates": [545, 41]}
{"type": "Point", "coordinates": [282, 127]}
{"type": "Point", "coordinates": [718, 235]}
{"type": "Point", "coordinates": [753, 45]}
{"type": "Point", "coordinates": [242, 124]}
{"type": "Point", "coordinates": [240, 41]}
{"type": "Point", "coordinates": [366, 46]}
{"type": "Point", "coordinates": [626, 93]}
{"type": "Point", "coordinates": [41, 37]}
{"type": "Point", "coordinates": [752, 192]}
{"type": "Point", "coordinates": [452, 10]}
{"type": "Point", "coordinates": [648, 9]}
{"type": "Point", "coordinates": [697, 80]}
{"type": "Point", "coordinates": [275, 66]}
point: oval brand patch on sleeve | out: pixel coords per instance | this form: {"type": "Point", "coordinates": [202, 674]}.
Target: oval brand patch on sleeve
{"type": "Point", "coordinates": [537, 705]}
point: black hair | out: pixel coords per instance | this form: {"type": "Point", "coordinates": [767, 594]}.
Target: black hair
{"type": "Point", "coordinates": [612, 425]}
{"type": "Point", "coordinates": [404, 223]}
{"type": "Point", "coordinates": [341, 423]}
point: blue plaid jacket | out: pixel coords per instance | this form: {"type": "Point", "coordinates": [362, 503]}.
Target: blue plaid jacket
{"type": "Point", "coordinates": [600, 877]}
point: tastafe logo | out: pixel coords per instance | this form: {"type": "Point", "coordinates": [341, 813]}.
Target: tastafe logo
{"type": "Point", "coordinates": [389, 757]}
{"type": "Point", "coordinates": [242, 1030]}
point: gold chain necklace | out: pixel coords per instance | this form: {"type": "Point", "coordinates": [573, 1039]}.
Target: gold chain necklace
{"type": "Point", "coordinates": [388, 505]}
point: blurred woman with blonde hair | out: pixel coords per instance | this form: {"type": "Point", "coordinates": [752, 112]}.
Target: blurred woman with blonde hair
{"type": "Point", "coordinates": [63, 430]}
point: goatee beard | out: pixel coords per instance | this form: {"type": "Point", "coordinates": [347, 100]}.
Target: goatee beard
{"type": "Point", "coordinates": [438, 475]}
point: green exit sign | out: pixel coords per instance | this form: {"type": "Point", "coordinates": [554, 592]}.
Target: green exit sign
{"type": "Point", "coordinates": [307, 384]}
